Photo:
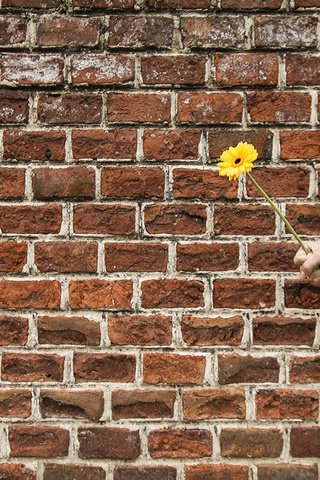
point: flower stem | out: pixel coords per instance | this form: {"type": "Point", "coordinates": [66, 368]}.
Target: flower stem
{"type": "Point", "coordinates": [273, 205]}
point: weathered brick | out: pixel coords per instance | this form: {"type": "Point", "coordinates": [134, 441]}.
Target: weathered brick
{"type": "Point", "coordinates": [13, 30]}
{"type": "Point", "coordinates": [251, 4]}
{"type": "Point", "coordinates": [279, 107]}
{"type": "Point", "coordinates": [180, 443]}
{"type": "Point", "coordinates": [31, 367]}
{"type": "Point", "coordinates": [140, 32]}
{"type": "Point", "coordinates": [209, 404]}
{"type": "Point", "coordinates": [15, 404]}
{"type": "Point", "coordinates": [17, 294]}
{"type": "Point", "coordinates": [29, 219]}
{"type": "Point", "coordinates": [13, 330]}
{"type": "Point", "coordinates": [101, 69]}
{"type": "Point", "coordinates": [281, 182]}
{"type": "Point", "coordinates": [302, 69]}
{"type": "Point", "coordinates": [109, 4]}
{"type": "Point", "coordinates": [145, 473]}
{"type": "Point", "coordinates": [100, 294]}
{"type": "Point", "coordinates": [305, 442]}
{"type": "Point", "coordinates": [66, 257]}
{"type": "Point", "coordinates": [70, 108]}
{"type": "Point", "coordinates": [142, 404]}
{"type": "Point", "coordinates": [142, 330]}
{"type": "Point", "coordinates": [307, 3]}
{"type": "Point", "coordinates": [16, 471]}
{"type": "Point", "coordinates": [14, 107]}
{"type": "Point", "coordinates": [300, 144]}
{"type": "Point", "coordinates": [243, 220]}
{"type": "Point", "coordinates": [251, 443]}
{"type": "Point", "coordinates": [72, 404]}
{"type": "Point", "coordinates": [138, 107]}
{"type": "Point", "coordinates": [28, 146]}
{"type": "Point", "coordinates": [38, 441]}
{"type": "Point", "coordinates": [173, 369]}
{"type": "Point", "coordinates": [304, 217]}
{"type": "Point", "coordinates": [70, 472]}
{"type": "Point", "coordinates": [172, 293]}
{"type": "Point", "coordinates": [301, 294]}
{"type": "Point", "coordinates": [213, 31]}
{"type": "Point", "coordinates": [305, 369]}
{"type": "Point", "coordinates": [204, 331]}
{"type": "Point", "coordinates": [12, 181]}
{"type": "Point", "coordinates": [222, 139]}
{"type": "Point", "coordinates": [247, 369]}
{"type": "Point", "coordinates": [64, 183]}
{"type": "Point", "coordinates": [216, 472]}
{"type": "Point", "coordinates": [136, 257]}
{"type": "Point", "coordinates": [169, 145]}
{"type": "Point", "coordinates": [204, 257]}
{"type": "Point", "coordinates": [32, 69]}
{"type": "Point", "coordinates": [251, 293]}
{"type": "Point", "coordinates": [209, 108]}
{"type": "Point", "coordinates": [173, 70]}
{"type": "Point", "coordinates": [271, 257]}
{"type": "Point", "coordinates": [112, 443]}
{"type": "Point", "coordinates": [178, 4]}
{"type": "Point", "coordinates": [68, 330]}
{"type": "Point", "coordinates": [112, 144]}
{"type": "Point", "coordinates": [283, 331]}
{"type": "Point", "coordinates": [13, 256]}
{"type": "Point", "coordinates": [132, 182]}
{"type": "Point", "coordinates": [287, 404]}
{"type": "Point", "coordinates": [70, 32]}
{"type": "Point", "coordinates": [43, 4]}
{"type": "Point", "coordinates": [104, 367]}
{"type": "Point", "coordinates": [173, 219]}
{"type": "Point", "coordinates": [246, 69]}
{"type": "Point", "coordinates": [289, 472]}
{"type": "Point", "coordinates": [101, 219]}
{"type": "Point", "coordinates": [202, 184]}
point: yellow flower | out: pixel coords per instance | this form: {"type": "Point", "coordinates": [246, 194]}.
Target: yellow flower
{"type": "Point", "coordinates": [237, 160]}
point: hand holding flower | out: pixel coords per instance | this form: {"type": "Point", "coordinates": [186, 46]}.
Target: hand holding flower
{"type": "Point", "coordinates": [309, 263]}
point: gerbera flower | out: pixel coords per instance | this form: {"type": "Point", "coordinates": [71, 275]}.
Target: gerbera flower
{"type": "Point", "coordinates": [237, 160]}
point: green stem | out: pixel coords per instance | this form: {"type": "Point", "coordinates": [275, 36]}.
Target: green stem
{"type": "Point", "coordinates": [274, 206]}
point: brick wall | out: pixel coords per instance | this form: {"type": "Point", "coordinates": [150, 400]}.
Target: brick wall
{"type": "Point", "coordinates": [152, 321]}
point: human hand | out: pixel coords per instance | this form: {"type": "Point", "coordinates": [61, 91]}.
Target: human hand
{"type": "Point", "coordinates": [309, 263]}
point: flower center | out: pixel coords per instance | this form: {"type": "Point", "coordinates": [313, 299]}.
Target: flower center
{"type": "Point", "coordinates": [237, 161]}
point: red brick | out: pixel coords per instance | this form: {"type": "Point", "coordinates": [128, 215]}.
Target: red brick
{"type": "Point", "coordinates": [136, 257]}
{"type": "Point", "coordinates": [202, 184]}
{"type": "Point", "coordinates": [304, 218]}
{"type": "Point", "coordinates": [27, 69]}
{"type": "Point", "coordinates": [140, 31]}
{"type": "Point", "coordinates": [289, 472]}
{"type": "Point", "coordinates": [307, 3]}
{"type": "Point", "coordinates": [209, 404]}
{"type": "Point", "coordinates": [305, 442]}
{"type": "Point", "coordinates": [12, 183]}
{"type": "Point", "coordinates": [116, 143]}
{"type": "Point", "coordinates": [143, 330]}
{"type": "Point", "coordinates": [204, 257]}
{"type": "Point", "coordinates": [241, 69]}
{"type": "Point", "coordinates": [281, 182]}
{"type": "Point", "coordinates": [67, 32]}
{"type": "Point", "coordinates": [247, 369]}
{"type": "Point", "coordinates": [251, 443]}
{"type": "Point", "coordinates": [132, 182]}
{"type": "Point", "coordinates": [13, 330]}
{"type": "Point", "coordinates": [300, 144]}
{"type": "Point", "coordinates": [178, 4]}
{"type": "Point", "coordinates": [209, 108]}
{"type": "Point", "coordinates": [283, 331]}
{"type": "Point", "coordinates": [13, 256]}
{"type": "Point", "coordinates": [66, 257]}
{"type": "Point", "coordinates": [30, 219]}
{"type": "Point", "coordinates": [31, 3]}
{"type": "Point", "coordinates": [112, 443]}
{"type": "Point", "coordinates": [180, 443]}
{"type": "Point", "coordinates": [251, 4]}
{"type": "Point", "coordinates": [29, 294]}
{"type": "Point", "coordinates": [173, 70]}
{"type": "Point", "coordinates": [204, 331]}
{"type": "Point", "coordinates": [105, 219]}
{"type": "Point", "coordinates": [109, 4]}
{"type": "Point", "coordinates": [138, 107]}
{"type": "Point", "coordinates": [287, 404]}
{"type": "Point", "coordinates": [104, 367]}
{"type": "Point", "coordinates": [145, 473]}
{"type": "Point", "coordinates": [38, 441]}
{"type": "Point", "coordinates": [173, 219]}
{"type": "Point", "coordinates": [14, 107]}
{"type": "Point", "coordinates": [244, 220]}
{"type": "Point", "coordinates": [101, 69]}
{"type": "Point", "coordinates": [172, 293]}
{"type": "Point", "coordinates": [28, 146]}
{"type": "Point", "coordinates": [285, 31]}
{"type": "Point", "coordinates": [67, 330]}
{"type": "Point", "coordinates": [31, 367]}
{"type": "Point", "coordinates": [221, 139]}
{"type": "Point", "coordinates": [70, 108]}
{"type": "Point", "coordinates": [302, 70]}
{"type": "Point", "coordinates": [271, 257]}
{"type": "Point", "coordinates": [72, 404]}
{"type": "Point", "coordinates": [301, 294]}
{"type": "Point", "coordinates": [279, 107]}
{"type": "Point", "coordinates": [15, 404]}
{"type": "Point", "coordinates": [168, 145]}
{"type": "Point", "coordinates": [16, 471]}
{"type": "Point", "coordinates": [142, 404]}
{"type": "Point", "coordinates": [250, 293]}
{"type": "Point", "coordinates": [305, 369]}
{"type": "Point", "coordinates": [64, 183]}
{"type": "Point", "coordinates": [213, 31]}
{"type": "Point", "coordinates": [173, 369]}
{"type": "Point", "coordinates": [13, 30]}
{"type": "Point", "coordinates": [100, 294]}
{"type": "Point", "coordinates": [216, 472]}
{"type": "Point", "coordinates": [69, 472]}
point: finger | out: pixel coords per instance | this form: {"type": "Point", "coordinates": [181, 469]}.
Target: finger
{"type": "Point", "coordinates": [315, 277]}
{"type": "Point", "coordinates": [311, 264]}
{"type": "Point", "coordinates": [300, 257]}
